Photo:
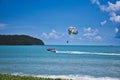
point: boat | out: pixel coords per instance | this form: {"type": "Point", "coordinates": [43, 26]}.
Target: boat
{"type": "Point", "coordinates": [51, 49]}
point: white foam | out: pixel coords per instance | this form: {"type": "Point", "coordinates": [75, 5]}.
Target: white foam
{"type": "Point", "coordinates": [95, 53]}
{"type": "Point", "coordinates": [20, 74]}
{"type": "Point", "coordinates": [79, 77]}
{"type": "Point", "coordinates": [68, 77]}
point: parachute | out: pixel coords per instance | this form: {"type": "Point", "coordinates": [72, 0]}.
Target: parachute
{"type": "Point", "coordinates": [72, 30]}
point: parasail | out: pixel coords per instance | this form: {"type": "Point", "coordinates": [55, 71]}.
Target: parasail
{"type": "Point", "coordinates": [72, 30]}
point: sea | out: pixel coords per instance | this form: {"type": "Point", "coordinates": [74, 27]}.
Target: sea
{"type": "Point", "coordinates": [77, 62]}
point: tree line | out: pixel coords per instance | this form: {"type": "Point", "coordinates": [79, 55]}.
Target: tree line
{"type": "Point", "coordinates": [19, 40]}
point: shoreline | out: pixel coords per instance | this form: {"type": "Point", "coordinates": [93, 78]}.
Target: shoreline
{"type": "Point", "coordinates": [6, 76]}
{"type": "Point", "coordinates": [18, 77]}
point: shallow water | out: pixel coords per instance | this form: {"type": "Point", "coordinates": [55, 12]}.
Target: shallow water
{"type": "Point", "coordinates": [76, 62]}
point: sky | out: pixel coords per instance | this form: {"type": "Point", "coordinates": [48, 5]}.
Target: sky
{"type": "Point", "coordinates": [97, 21]}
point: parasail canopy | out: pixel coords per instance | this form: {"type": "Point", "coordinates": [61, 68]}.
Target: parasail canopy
{"type": "Point", "coordinates": [72, 30]}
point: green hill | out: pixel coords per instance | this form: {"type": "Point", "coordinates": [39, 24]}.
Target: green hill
{"type": "Point", "coordinates": [19, 40]}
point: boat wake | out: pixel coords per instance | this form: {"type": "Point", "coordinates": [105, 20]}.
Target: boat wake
{"type": "Point", "coordinates": [90, 53]}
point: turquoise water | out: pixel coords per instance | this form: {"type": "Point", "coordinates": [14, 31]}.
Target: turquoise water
{"type": "Point", "coordinates": [76, 62]}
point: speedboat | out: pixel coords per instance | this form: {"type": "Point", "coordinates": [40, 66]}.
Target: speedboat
{"type": "Point", "coordinates": [51, 49]}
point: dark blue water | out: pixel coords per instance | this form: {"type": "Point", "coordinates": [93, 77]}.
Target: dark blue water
{"type": "Point", "coordinates": [76, 62]}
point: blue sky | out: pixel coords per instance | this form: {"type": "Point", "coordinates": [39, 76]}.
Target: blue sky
{"type": "Point", "coordinates": [97, 21]}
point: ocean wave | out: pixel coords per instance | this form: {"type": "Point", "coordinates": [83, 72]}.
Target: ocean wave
{"type": "Point", "coordinates": [93, 53]}
{"type": "Point", "coordinates": [69, 77]}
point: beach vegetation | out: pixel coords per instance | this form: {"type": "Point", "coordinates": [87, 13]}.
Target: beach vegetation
{"type": "Point", "coordinates": [17, 77]}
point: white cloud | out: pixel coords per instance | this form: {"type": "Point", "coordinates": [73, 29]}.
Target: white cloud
{"type": "Point", "coordinates": [114, 17]}
{"type": "Point", "coordinates": [91, 34]}
{"type": "Point", "coordinates": [111, 8]}
{"type": "Point", "coordinates": [116, 30]}
{"type": "Point", "coordinates": [103, 22]}
{"type": "Point", "coordinates": [90, 31]}
{"type": "Point", "coordinates": [98, 37]}
{"type": "Point", "coordinates": [52, 34]}
{"type": "Point", "coordinates": [95, 2]}
{"type": "Point", "coordinates": [108, 8]}
{"type": "Point", "coordinates": [45, 35]}
{"type": "Point", "coordinates": [2, 25]}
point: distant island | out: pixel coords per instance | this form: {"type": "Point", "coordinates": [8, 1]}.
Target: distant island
{"type": "Point", "coordinates": [19, 40]}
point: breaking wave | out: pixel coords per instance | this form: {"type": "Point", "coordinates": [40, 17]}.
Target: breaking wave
{"type": "Point", "coordinates": [69, 77]}
{"type": "Point", "coordinates": [91, 53]}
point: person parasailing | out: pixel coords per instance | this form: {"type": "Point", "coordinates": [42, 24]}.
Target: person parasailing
{"type": "Point", "coordinates": [72, 31]}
